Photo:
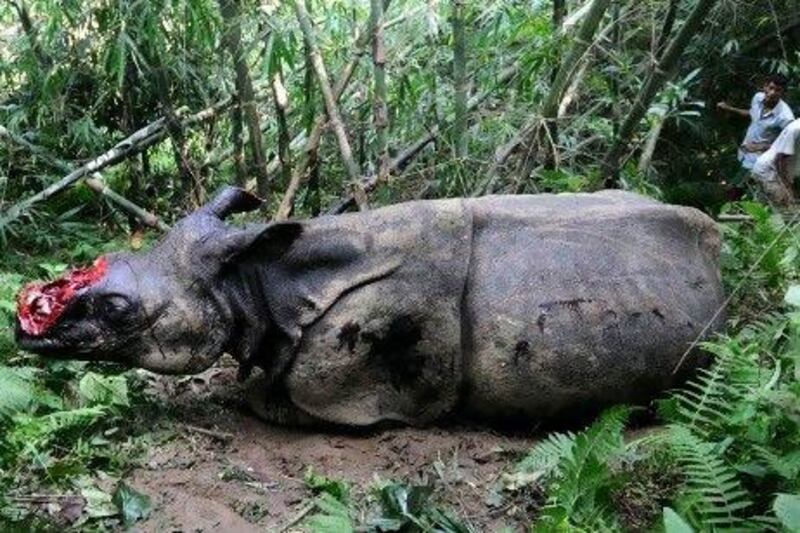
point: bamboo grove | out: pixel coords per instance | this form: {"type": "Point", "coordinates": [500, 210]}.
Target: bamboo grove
{"type": "Point", "coordinates": [152, 105]}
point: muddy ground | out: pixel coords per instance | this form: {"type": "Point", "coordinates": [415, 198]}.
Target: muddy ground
{"type": "Point", "coordinates": [214, 467]}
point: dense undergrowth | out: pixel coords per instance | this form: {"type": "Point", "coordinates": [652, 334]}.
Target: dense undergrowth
{"type": "Point", "coordinates": [723, 453]}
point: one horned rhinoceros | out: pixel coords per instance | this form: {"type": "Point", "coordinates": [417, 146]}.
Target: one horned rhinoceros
{"type": "Point", "coordinates": [501, 307]}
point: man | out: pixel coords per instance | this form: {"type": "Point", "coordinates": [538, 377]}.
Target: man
{"type": "Point", "coordinates": [777, 168]}
{"type": "Point", "coordinates": [768, 114]}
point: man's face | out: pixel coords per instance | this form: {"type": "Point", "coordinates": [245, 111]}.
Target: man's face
{"type": "Point", "coordinates": [772, 93]}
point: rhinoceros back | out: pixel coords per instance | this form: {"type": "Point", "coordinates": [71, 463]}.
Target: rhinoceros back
{"type": "Point", "coordinates": [573, 301]}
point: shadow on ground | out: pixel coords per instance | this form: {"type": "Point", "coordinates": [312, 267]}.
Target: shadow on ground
{"type": "Point", "coordinates": [217, 468]}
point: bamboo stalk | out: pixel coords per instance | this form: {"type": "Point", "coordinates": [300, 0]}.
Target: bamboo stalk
{"type": "Point", "coordinates": [95, 182]}
{"type": "Point", "coordinates": [244, 89]}
{"type": "Point", "coordinates": [660, 73]}
{"type": "Point", "coordinates": [459, 80]}
{"type": "Point", "coordinates": [281, 100]}
{"type": "Point", "coordinates": [328, 97]}
{"type": "Point", "coordinates": [138, 141]}
{"type": "Point", "coordinates": [308, 166]}
{"type": "Point", "coordinates": [380, 113]}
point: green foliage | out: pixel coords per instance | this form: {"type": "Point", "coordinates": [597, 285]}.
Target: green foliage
{"type": "Point", "coordinates": [579, 494]}
{"type": "Point", "coordinates": [765, 252]}
{"type": "Point", "coordinates": [59, 421]}
{"type": "Point", "coordinates": [408, 508]}
{"type": "Point", "coordinates": [318, 484]}
{"type": "Point", "coordinates": [787, 509]}
{"type": "Point", "coordinates": [673, 523]}
{"type": "Point", "coordinates": [394, 506]}
{"type": "Point", "coordinates": [333, 516]}
{"type": "Point", "coordinates": [131, 504]}
{"type": "Point", "coordinates": [714, 497]}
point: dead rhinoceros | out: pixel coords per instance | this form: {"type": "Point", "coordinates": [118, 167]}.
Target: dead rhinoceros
{"type": "Point", "coordinates": [500, 307]}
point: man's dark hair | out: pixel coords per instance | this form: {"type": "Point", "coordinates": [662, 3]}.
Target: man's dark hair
{"type": "Point", "coordinates": [778, 79]}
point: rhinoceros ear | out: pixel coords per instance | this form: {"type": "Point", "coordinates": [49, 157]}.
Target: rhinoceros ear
{"type": "Point", "coordinates": [273, 239]}
{"type": "Point", "coordinates": [232, 200]}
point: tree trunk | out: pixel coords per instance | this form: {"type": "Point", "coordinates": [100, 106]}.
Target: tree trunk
{"type": "Point", "coordinates": [559, 13]}
{"type": "Point", "coordinates": [244, 89]}
{"type": "Point", "coordinates": [313, 199]}
{"type": "Point", "coordinates": [662, 71]}
{"type": "Point", "coordinates": [459, 80]}
{"type": "Point", "coordinates": [236, 139]}
{"type": "Point", "coordinates": [571, 62]}
{"type": "Point", "coordinates": [190, 189]}
{"type": "Point", "coordinates": [666, 27]}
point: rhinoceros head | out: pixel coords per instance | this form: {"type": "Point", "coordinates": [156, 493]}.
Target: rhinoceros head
{"type": "Point", "coordinates": [163, 309]}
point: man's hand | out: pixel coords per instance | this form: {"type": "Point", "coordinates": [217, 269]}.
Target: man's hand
{"type": "Point", "coordinates": [725, 106]}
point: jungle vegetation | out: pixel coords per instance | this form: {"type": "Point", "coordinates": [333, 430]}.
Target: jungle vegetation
{"type": "Point", "coordinates": [117, 117]}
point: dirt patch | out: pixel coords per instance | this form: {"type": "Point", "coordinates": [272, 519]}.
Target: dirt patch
{"type": "Point", "coordinates": [245, 475]}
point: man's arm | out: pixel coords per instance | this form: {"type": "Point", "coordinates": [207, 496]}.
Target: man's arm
{"type": "Point", "coordinates": [755, 147]}
{"type": "Point", "coordinates": [725, 106]}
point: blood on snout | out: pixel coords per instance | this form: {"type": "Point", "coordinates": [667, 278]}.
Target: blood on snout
{"type": "Point", "coordinates": [39, 305]}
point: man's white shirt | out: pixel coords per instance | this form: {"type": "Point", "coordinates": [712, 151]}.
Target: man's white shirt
{"type": "Point", "coordinates": [787, 143]}
{"type": "Point", "coordinates": [764, 127]}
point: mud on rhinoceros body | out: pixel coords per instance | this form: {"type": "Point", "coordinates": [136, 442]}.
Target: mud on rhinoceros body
{"type": "Point", "coordinates": [502, 307]}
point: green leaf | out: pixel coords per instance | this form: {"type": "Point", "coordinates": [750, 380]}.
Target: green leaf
{"type": "Point", "coordinates": [323, 485]}
{"type": "Point", "coordinates": [131, 504]}
{"type": "Point", "coordinates": [793, 296]}
{"type": "Point", "coordinates": [98, 503]}
{"type": "Point", "coordinates": [19, 390]}
{"type": "Point", "coordinates": [673, 523]}
{"type": "Point", "coordinates": [97, 389]}
{"type": "Point", "coordinates": [787, 509]}
{"type": "Point", "coordinates": [334, 516]}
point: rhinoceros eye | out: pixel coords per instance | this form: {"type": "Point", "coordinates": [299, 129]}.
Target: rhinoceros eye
{"type": "Point", "coordinates": [115, 307]}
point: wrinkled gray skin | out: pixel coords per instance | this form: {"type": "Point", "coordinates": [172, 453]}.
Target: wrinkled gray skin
{"type": "Point", "coordinates": [503, 307]}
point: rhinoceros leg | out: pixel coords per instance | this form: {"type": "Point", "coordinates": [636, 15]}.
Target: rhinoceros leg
{"type": "Point", "coordinates": [273, 405]}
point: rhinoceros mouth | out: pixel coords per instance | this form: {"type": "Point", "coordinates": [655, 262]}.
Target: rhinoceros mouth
{"type": "Point", "coordinates": [45, 346]}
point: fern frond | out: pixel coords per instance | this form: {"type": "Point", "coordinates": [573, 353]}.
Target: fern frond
{"type": "Point", "coordinates": [718, 498]}
{"type": "Point", "coordinates": [545, 455]}
{"type": "Point", "coordinates": [787, 466]}
{"type": "Point", "coordinates": [707, 403]}
{"type": "Point", "coordinates": [582, 484]}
